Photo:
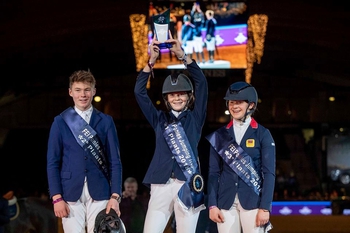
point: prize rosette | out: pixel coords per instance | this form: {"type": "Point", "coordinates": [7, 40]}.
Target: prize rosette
{"type": "Point", "coordinates": [197, 183]}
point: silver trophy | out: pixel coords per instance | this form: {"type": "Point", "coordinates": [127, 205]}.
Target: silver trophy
{"type": "Point", "coordinates": [161, 28]}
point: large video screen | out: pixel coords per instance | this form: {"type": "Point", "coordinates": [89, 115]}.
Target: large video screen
{"type": "Point", "coordinates": [338, 162]}
{"type": "Point", "coordinates": [214, 33]}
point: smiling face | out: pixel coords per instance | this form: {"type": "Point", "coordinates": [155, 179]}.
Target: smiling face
{"type": "Point", "coordinates": [82, 94]}
{"type": "Point", "coordinates": [238, 108]}
{"type": "Point", "coordinates": [131, 189]}
{"type": "Point", "coordinates": [178, 100]}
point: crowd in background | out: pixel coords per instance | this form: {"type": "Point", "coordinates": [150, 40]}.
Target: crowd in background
{"type": "Point", "coordinates": [287, 188]}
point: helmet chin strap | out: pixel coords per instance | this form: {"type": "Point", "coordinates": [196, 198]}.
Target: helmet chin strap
{"type": "Point", "coordinates": [245, 116]}
{"type": "Point", "coordinates": [247, 112]}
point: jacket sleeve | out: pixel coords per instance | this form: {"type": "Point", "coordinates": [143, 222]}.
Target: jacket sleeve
{"type": "Point", "coordinates": [268, 162]}
{"type": "Point", "coordinates": [54, 156]}
{"type": "Point", "coordinates": [113, 151]}
{"type": "Point", "coordinates": [200, 92]}
{"type": "Point", "coordinates": [143, 100]}
{"type": "Point", "coordinates": [213, 177]}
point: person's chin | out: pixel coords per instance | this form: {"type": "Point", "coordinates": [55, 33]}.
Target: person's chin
{"type": "Point", "coordinates": [178, 108]}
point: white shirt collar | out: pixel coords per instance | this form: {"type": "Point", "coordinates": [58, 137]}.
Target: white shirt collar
{"type": "Point", "coordinates": [83, 113]}
{"type": "Point", "coordinates": [240, 128]}
{"type": "Point", "coordinates": [246, 123]}
{"type": "Point", "coordinates": [176, 114]}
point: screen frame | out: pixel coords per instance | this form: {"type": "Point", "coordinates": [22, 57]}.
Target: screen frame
{"type": "Point", "coordinates": [236, 51]}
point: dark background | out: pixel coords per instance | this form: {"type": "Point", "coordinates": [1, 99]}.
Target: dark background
{"type": "Point", "coordinates": [306, 60]}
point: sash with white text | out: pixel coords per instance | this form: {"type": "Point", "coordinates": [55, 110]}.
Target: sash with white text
{"type": "Point", "coordinates": [86, 137]}
{"type": "Point", "coordinates": [191, 193]}
{"type": "Point", "coordinates": [238, 160]}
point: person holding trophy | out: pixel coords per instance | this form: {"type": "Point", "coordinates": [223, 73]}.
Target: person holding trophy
{"type": "Point", "coordinates": [174, 177]}
{"type": "Point", "coordinates": [198, 19]}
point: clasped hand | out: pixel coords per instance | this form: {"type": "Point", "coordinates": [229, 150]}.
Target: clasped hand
{"type": "Point", "coordinates": [154, 49]}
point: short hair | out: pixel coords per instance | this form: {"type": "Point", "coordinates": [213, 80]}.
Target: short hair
{"type": "Point", "coordinates": [130, 180]}
{"type": "Point", "coordinates": [82, 76]}
{"type": "Point", "coordinates": [209, 13]}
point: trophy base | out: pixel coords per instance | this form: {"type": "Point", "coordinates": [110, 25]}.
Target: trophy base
{"type": "Point", "coordinates": [165, 45]}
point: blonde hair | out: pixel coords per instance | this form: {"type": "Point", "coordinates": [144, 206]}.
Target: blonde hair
{"type": "Point", "coordinates": [209, 13]}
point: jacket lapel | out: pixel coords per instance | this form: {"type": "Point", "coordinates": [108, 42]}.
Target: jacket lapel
{"type": "Point", "coordinates": [95, 118]}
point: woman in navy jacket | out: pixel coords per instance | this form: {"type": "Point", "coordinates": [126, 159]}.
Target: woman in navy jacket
{"type": "Point", "coordinates": [169, 181]}
{"type": "Point", "coordinates": [241, 167]}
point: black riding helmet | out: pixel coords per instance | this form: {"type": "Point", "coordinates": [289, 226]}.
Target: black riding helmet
{"type": "Point", "coordinates": [178, 83]}
{"type": "Point", "coordinates": [242, 91]}
{"type": "Point", "coordinates": [108, 223]}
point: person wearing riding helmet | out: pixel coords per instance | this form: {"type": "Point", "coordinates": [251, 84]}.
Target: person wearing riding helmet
{"type": "Point", "coordinates": [173, 175]}
{"type": "Point", "coordinates": [242, 162]}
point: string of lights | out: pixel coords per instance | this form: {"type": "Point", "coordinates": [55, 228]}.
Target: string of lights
{"type": "Point", "coordinates": [257, 25]}
{"type": "Point", "coordinates": [139, 32]}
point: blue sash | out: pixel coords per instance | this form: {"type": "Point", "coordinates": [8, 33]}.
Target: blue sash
{"type": "Point", "coordinates": [238, 160]}
{"type": "Point", "coordinates": [191, 193]}
{"type": "Point", "coordinates": [86, 137]}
